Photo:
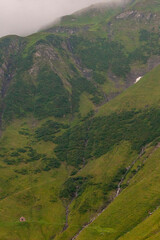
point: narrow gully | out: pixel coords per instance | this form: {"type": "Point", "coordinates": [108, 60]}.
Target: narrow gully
{"type": "Point", "coordinates": [116, 195]}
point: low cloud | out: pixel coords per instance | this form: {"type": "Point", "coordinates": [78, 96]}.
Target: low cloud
{"type": "Point", "coordinates": [23, 17]}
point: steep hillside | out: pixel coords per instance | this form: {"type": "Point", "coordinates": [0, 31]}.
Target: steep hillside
{"type": "Point", "coordinates": [101, 61]}
{"type": "Point", "coordinates": [79, 128]}
{"type": "Point", "coordinates": [142, 95]}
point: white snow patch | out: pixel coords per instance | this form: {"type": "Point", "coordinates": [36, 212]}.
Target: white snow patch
{"type": "Point", "coordinates": [138, 79]}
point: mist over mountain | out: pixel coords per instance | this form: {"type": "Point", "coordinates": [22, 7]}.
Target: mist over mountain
{"type": "Point", "coordinates": [27, 16]}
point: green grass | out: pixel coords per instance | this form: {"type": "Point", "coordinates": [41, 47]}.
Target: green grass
{"type": "Point", "coordinates": [132, 206]}
{"type": "Point", "coordinates": [34, 190]}
{"type": "Point", "coordinates": [96, 195]}
{"type": "Point", "coordinates": [86, 104]}
{"type": "Point", "coordinates": [143, 94]}
{"type": "Point", "coordinates": [92, 17]}
{"type": "Point", "coordinates": [31, 194]}
{"type": "Point", "coordinates": [44, 163]}
{"type": "Point", "coordinates": [149, 228]}
{"type": "Point", "coordinates": [32, 40]}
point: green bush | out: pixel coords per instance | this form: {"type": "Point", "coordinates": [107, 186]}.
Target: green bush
{"type": "Point", "coordinates": [73, 186]}
{"type": "Point", "coordinates": [21, 150]}
{"type": "Point", "coordinates": [33, 155]}
{"type": "Point", "coordinates": [98, 136]}
{"type": "Point", "coordinates": [10, 161]}
{"type": "Point", "coordinates": [22, 171]}
{"type": "Point", "coordinates": [14, 154]}
{"type": "Point", "coordinates": [50, 163]}
{"type": "Point", "coordinates": [52, 99]}
{"type": "Point", "coordinates": [101, 54]}
{"type": "Point", "coordinates": [48, 130]}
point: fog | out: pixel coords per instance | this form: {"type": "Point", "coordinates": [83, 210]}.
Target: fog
{"type": "Point", "coordinates": [23, 17]}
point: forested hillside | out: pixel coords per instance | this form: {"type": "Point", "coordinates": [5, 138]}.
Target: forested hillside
{"type": "Point", "coordinates": [80, 127]}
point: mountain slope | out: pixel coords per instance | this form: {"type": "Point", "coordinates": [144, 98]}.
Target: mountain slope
{"type": "Point", "coordinates": [133, 206]}
{"type": "Point", "coordinates": [142, 95]}
{"type": "Point", "coordinates": [103, 66]}
{"type": "Point", "coordinates": [79, 147]}
{"type": "Point", "coordinates": [140, 128]}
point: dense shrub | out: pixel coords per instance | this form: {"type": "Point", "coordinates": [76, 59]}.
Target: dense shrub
{"type": "Point", "coordinates": [72, 187]}
{"type": "Point", "coordinates": [10, 161]}
{"type": "Point", "coordinates": [150, 45]}
{"type": "Point", "coordinates": [22, 171]}
{"type": "Point", "coordinates": [98, 136]}
{"type": "Point", "coordinates": [71, 145]}
{"type": "Point", "coordinates": [52, 99]}
{"type": "Point", "coordinates": [50, 163]}
{"type": "Point", "coordinates": [48, 130]}
{"type": "Point", "coordinates": [33, 155]}
{"type": "Point", "coordinates": [19, 99]}
{"type": "Point", "coordinates": [101, 54]}
{"type": "Point", "coordinates": [98, 77]}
